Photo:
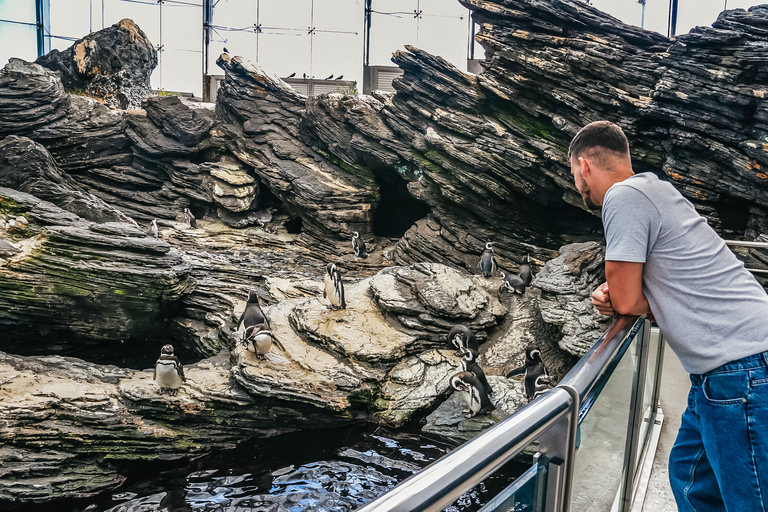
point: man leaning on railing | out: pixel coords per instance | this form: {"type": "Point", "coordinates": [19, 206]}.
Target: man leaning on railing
{"type": "Point", "coordinates": [663, 260]}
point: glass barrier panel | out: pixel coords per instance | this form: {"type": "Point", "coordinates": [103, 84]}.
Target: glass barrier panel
{"type": "Point", "coordinates": [648, 409]}
{"type": "Point", "coordinates": [522, 494]}
{"type": "Point", "coordinates": [599, 470]}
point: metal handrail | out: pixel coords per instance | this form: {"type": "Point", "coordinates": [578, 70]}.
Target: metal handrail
{"type": "Point", "coordinates": [446, 479]}
{"type": "Point", "coordinates": [759, 245]}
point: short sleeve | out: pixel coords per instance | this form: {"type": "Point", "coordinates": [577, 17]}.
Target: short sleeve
{"type": "Point", "coordinates": [632, 224]}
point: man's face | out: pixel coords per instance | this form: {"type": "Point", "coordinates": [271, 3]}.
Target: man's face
{"type": "Point", "coordinates": [582, 186]}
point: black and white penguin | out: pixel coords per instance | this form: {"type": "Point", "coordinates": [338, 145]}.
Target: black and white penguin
{"type": "Point", "coordinates": [542, 384]}
{"type": "Point", "coordinates": [358, 246]}
{"type": "Point", "coordinates": [487, 262]}
{"type": "Point", "coordinates": [152, 231]}
{"type": "Point", "coordinates": [334, 288]}
{"type": "Point", "coordinates": [462, 337]}
{"type": "Point", "coordinates": [534, 367]}
{"type": "Point", "coordinates": [252, 314]}
{"type": "Point", "coordinates": [526, 274]}
{"type": "Point", "coordinates": [513, 283]}
{"type": "Point", "coordinates": [472, 392]}
{"type": "Point", "coordinates": [190, 219]}
{"type": "Point", "coordinates": [469, 364]}
{"type": "Point", "coordinates": [169, 374]}
{"type": "Point", "coordinates": [258, 339]}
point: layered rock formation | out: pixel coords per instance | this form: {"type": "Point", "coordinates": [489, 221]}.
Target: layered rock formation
{"type": "Point", "coordinates": [279, 182]}
{"type": "Point", "coordinates": [113, 64]}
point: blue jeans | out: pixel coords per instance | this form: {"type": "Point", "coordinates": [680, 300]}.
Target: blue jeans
{"type": "Point", "coordinates": [720, 458]}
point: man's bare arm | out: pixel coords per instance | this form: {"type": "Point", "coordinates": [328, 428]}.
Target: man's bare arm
{"type": "Point", "coordinates": [625, 285]}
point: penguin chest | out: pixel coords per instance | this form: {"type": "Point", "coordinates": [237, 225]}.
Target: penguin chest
{"type": "Point", "coordinates": [472, 397]}
{"type": "Point", "coordinates": [332, 291]}
{"type": "Point", "coordinates": [167, 376]}
{"type": "Point", "coordinates": [261, 342]}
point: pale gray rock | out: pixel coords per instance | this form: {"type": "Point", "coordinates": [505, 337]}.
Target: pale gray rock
{"type": "Point", "coordinates": [566, 285]}
{"type": "Point", "coordinates": [448, 420]}
{"type": "Point", "coordinates": [432, 298]}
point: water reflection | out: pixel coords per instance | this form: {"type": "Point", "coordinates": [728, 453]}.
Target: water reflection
{"type": "Point", "coordinates": [335, 470]}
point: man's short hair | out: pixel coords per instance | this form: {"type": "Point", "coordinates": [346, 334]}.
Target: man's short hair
{"type": "Point", "coordinates": [600, 134]}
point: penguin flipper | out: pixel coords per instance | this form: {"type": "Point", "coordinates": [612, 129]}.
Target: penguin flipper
{"type": "Point", "coordinates": [493, 264]}
{"type": "Point", "coordinates": [180, 367]}
{"type": "Point", "coordinates": [154, 373]}
{"type": "Point", "coordinates": [242, 317]}
{"type": "Point", "coordinates": [516, 371]}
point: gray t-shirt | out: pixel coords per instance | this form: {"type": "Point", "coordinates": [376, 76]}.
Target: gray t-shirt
{"type": "Point", "coordinates": [709, 307]}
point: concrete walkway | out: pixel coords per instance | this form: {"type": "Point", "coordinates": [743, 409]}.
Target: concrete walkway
{"type": "Point", "coordinates": [675, 384]}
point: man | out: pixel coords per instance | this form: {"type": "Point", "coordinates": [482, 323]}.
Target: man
{"type": "Point", "coordinates": [663, 259]}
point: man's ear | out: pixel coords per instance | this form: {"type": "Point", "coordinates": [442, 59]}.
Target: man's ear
{"type": "Point", "coordinates": [585, 168]}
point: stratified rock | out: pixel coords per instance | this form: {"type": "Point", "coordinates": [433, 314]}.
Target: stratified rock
{"type": "Point", "coordinates": [26, 166]}
{"type": "Point", "coordinates": [521, 327]}
{"type": "Point", "coordinates": [30, 97]}
{"type": "Point", "coordinates": [261, 126]}
{"type": "Point", "coordinates": [179, 119]}
{"type": "Point", "coordinates": [77, 284]}
{"type": "Point", "coordinates": [415, 384]}
{"type": "Point", "coordinates": [432, 298]}
{"type": "Point", "coordinates": [449, 420]}
{"type": "Point", "coordinates": [73, 429]}
{"type": "Point", "coordinates": [113, 64]}
{"type": "Point", "coordinates": [566, 285]}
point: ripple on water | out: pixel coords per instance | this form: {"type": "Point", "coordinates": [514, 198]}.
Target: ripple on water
{"type": "Point", "coordinates": [320, 472]}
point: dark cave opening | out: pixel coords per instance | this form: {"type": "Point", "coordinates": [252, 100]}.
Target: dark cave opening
{"type": "Point", "coordinates": [294, 226]}
{"type": "Point", "coordinates": [733, 213]}
{"type": "Point", "coordinates": [398, 210]}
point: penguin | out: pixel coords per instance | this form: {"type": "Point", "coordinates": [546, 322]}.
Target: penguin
{"type": "Point", "coordinates": [469, 364]}
{"type": "Point", "coordinates": [487, 263]}
{"type": "Point", "coordinates": [252, 314]}
{"type": "Point", "coordinates": [534, 367]}
{"type": "Point", "coordinates": [258, 339]}
{"type": "Point", "coordinates": [513, 283]}
{"type": "Point", "coordinates": [189, 218]}
{"type": "Point", "coordinates": [334, 288]}
{"type": "Point", "coordinates": [152, 231]}
{"type": "Point", "coordinates": [472, 392]}
{"type": "Point", "coordinates": [462, 337]}
{"type": "Point", "coordinates": [542, 384]}
{"type": "Point", "coordinates": [169, 374]}
{"type": "Point", "coordinates": [526, 274]}
{"type": "Point", "coordinates": [358, 246]}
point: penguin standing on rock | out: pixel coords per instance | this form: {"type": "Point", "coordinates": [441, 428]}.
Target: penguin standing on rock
{"type": "Point", "coordinates": [469, 364]}
{"type": "Point", "coordinates": [334, 288]}
{"type": "Point", "coordinates": [152, 231]}
{"type": "Point", "coordinates": [472, 392]}
{"type": "Point", "coordinates": [258, 339]}
{"type": "Point", "coordinates": [526, 274]}
{"type": "Point", "coordinates": [533, 369]}
{"type": "Point", "coordinates": [487, 262]}
{"type": "Point", "coordinates": [512, 283]}
{"type": "Point", "coordinates": [190, 219]}
{"type": "Point", "coordinates": [169, 374]}
{"type": "Point", "coordinates": [252, 314]}
{"type": "Point", "coordinates": [358, 246]}
{"type": "Point", "coordinates": [462, 338]}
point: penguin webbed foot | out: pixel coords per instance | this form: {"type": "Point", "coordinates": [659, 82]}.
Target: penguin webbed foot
{"type": "Point", "coordinates": [261, 356]}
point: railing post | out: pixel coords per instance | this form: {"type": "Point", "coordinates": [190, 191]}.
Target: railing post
{"type": "Point", "coordinates": [558, 444]}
